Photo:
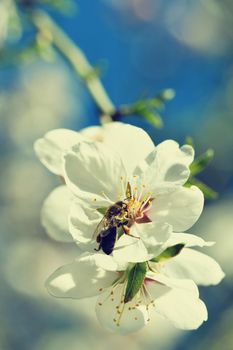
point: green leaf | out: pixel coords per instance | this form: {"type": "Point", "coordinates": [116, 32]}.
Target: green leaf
{"type": "Point", "coordinates": [136, 278]}
{"type": "Point", "coordinates": [169, 253]}
{"type": "Point", "coordinates": [152, 117]}
{"type": "Point", "coordinates": [158, 101]}
{"type": "Point", "coordinates": [201, 162]}
{"type": "Point", "coordinates": [208, 192]}
{"type": "Point", "coordinates": [147, 108]}
{"type": "Point", "coordinates": [102, 210]}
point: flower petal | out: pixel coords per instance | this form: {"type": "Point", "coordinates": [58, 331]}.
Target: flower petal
{"type": "Point", "coordinates": [49, 148]}
{"type": "Point", "coordinates": [131, 142]}
{"type": "Point", "coordinates": [154, 235]}
{"type": "Point", "coordinates": [80, 279]}
{"type": "Point", "coordinates": [168, 164]}
{"type": "Point", "coordinates": [167, 281]}
{"type": "Point", "coordinates": [180, 208]}
{"type": "Point", "coordinates": [106, 262]}
{"type": "Point", "coordinates": [83, 221]}
{"type": "Point", "coordinates": [199, 267]}
{"type": "Point", "coordinates": [54, 214]}
{"type": "Point", "coordinates": [144, 242]}
{"type": "Point", "coordinates": [130, 249]}
{"type": "Point", "coordinates": [188, 239]}
{"type": "Point", "coordinates": [155, 289]}
{"type": "Point", "coordinates": [95, 173]}
{"type": "Point", "coordinates": [93, 133]}
{"type": "Point", "coordinates": [175, 298]}
{"type": "Point", "coordinates": [183, 309]}
{"type": "Point", "coordinates": [108, 311]}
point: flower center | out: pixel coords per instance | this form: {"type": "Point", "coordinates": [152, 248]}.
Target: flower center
{"type": "Point", "coordinates": [119, 217]}
{"type": "Point", "coordinates": [138, 203]}
{"type": "Point", "coordinates": [115, 296]}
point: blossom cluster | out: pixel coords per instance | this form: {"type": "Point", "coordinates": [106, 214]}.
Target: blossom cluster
{"type": "Point", "coordinates": [125, 203]}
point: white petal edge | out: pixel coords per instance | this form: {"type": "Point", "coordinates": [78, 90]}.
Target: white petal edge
{"type": "Point", "coordinates": [168, 164]}
{"type": "Point", "coordinates": [83, 222]}
{"type": "Point", "coordinates": [188, 239]}
{"type": "Point", "coordinates": [180, 208]}
{"type": "Point", "coordinates": [81, 279]}
{"type": "Point", "coordinates": [132, 143]}
{"type": "Point", "coordinates": [49, 149]}
{"type": "Point", "coordinates": [183, 309]}
{"type": "Point", "coordinates": [95, 173]}
{"type": "Point", "coordinates": [154, 236]}
{"type": "Point", "coordinates": [54, 214]}
{"type": "Point", "coordinates": [199, 267]}
{"type": "Point", "coordinates": [184, 284]}
{"type": "Point", "coordinates": [93, 133]}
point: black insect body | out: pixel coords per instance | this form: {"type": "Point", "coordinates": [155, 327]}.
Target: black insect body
{"type": "Point", "coordinates": [107, 239]}
{"type": "Point", "coordinates": [116, 211]}
{"type": "Point", "coordinates": [106, 232]}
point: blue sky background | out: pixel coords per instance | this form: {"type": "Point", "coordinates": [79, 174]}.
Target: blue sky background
{"type": "Point", "coordinates": [143, 46]}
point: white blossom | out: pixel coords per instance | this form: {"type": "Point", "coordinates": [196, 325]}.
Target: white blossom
{"type": "Point", "coordinates": [167, 288]}
{"type": "Point", "coordinates": [125, 167]}
{"type": "Point", "coordinates": [51, 147]}
{"type": "Point", "coordinates": [126, 197]}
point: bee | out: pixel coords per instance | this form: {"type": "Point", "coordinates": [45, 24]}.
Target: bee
{"type": "Point", "coordinates": [115, 217]}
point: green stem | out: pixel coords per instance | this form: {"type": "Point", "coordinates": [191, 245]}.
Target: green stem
{"type": "Point", "coordinates": [74, 55]}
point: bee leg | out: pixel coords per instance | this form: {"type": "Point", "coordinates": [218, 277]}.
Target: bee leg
{"type": "Point", "coordinates": [98, 249]}
{"type": "Point", "coordinates": [126, 231]}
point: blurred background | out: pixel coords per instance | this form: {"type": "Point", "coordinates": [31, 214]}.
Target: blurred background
{"type": "Point", "coordinates": [141, 47]}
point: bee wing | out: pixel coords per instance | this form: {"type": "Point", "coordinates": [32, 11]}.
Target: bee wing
{"type": "Point", "coordinates": [101, 225]}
